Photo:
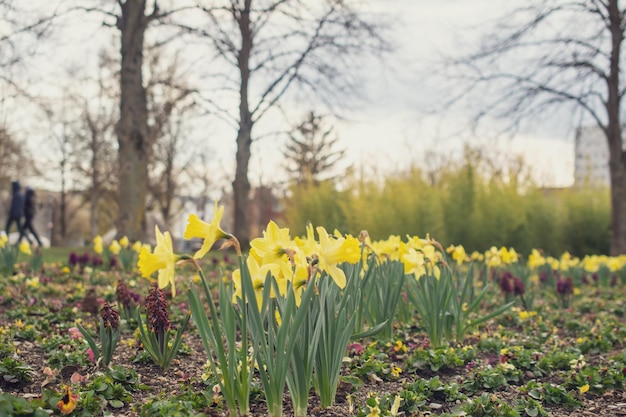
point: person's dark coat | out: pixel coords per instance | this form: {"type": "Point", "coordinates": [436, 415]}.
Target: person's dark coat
{"type": "Point", "coordinates": [17, 202]}
{"type": "Point", "coordinates": [29, 203]}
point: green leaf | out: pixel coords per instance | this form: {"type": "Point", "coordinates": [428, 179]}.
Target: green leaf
{"type": "Point", "coordinates": [100, 387]}
{"type": "Point", "coordinates": [532, 412]}
{"type": "Point", "coordinates": [116, 403]}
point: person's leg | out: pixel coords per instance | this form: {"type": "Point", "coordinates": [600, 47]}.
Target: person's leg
{"type": "Point", "coordinates": [22, 231]}
{"type": "Point", "coordinates": [31, 228]}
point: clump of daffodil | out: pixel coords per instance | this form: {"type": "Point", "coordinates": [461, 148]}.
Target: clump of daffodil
{"type": "Point", "coordinates": [115, 247]}
{"type": "Point", "coordinates": [161, 260]}
{"type": "Point", "coordinates": [210, 232]}
{"type": "Point", "coordinates": [421, 261]}
{"type": "Point", "coordinates": [25, 248]}
{"type": "Point", "coordinates": [458, 254]}
{"type": "Point", "coordinates": [98, 245]}
{"type": "Point", "coordinates": [258, 273]}
{"type": "Point", "coordinates": [535, 259]}
{"type": "Point", "coordinates": [391, 248]}
{"type": "Point", "coordinates": [137, 246]}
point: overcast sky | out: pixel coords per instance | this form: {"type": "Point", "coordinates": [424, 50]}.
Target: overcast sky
{"type": "Point", "coordinates": [391, 128]}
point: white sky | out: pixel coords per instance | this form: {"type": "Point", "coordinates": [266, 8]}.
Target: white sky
{"type": "Point", "coordinates": [390, 130]}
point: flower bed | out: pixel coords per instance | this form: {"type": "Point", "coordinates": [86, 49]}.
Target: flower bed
{"type": "Point", "coordinates": [326, 325]}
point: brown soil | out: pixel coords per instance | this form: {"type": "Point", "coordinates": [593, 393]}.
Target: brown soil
{"type": "Point", "coordinates": [186, 370]}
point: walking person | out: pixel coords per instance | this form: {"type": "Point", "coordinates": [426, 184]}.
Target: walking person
{"type": "Point", "coordinates": [29, 215]}
{"type": "Point", "coordinates": [16, 211]}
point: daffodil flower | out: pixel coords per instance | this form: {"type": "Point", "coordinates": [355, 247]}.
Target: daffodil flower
{"type": "Point", "coordinates": [333, 251]}
{"type": "Point", "coordinates": [258, 275]}
{"type": "Point", "coordinates": [137, 246]}
{"type": "Point", "coordinates": [414, 263]}
{"type": "Point", "coordinates": [210, 232]}
{"type": "Point", "coordinates": [274, 244]}
{"type": "Point", "coordinates": [25, 248]}
{"type": "Point", "coordinates": [97, 244]}
{"type": "Point", "coordinates": [162, 260]}
{"type": "Point", "coordinates": [115, 247]}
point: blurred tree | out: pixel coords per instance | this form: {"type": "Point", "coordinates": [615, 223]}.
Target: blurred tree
{"type": "Point", "coordinates": [23, 26]}
{"type": "Point", "coordinates": [310, 153]}
{"type": "Point", "coordinates": [94, 129]}
{"type": "Point", "coordinates": [272, 48]}
{"type": "Point", "coordinates": [135, 147]}
{"type": "Point", "coordinates": [551, 53]}
{"type": "Point", "coordinates": [170, 102]}
{"type": "Point", "coordinates": [14, 158]}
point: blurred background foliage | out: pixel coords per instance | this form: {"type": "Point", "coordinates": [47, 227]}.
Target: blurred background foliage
{"type": "Point", "coordinates": [474, 201]}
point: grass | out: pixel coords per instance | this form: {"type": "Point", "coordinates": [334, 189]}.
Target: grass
{"type": "Point", "coordinates": [59, 253]}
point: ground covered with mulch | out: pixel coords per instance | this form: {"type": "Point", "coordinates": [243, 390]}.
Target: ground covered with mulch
{"type": "Point", "coordinates": [549, 359]}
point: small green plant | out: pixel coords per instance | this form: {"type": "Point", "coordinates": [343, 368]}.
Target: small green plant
{"type": "Point", "coordinates": [491, 378]}
{"type": "Point", "coordinates": [528, 407]}
{"type": "Point", "coordinates": [439, 358]}
{"type": "Point", "coordinates": [551, 394]}
{"type": "Point", "coordinates": [488, 405]}
{"type": "Point", "coordinates": [14, 371]}
{"type": "Point", "coordinates": [17, 406]}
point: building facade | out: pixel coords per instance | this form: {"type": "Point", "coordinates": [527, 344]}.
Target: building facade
{"type": "Point", "coordinates": [591, 162]}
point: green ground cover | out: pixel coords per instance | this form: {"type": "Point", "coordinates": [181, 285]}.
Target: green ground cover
{"type": "Point", "coordinates": [429, 332]}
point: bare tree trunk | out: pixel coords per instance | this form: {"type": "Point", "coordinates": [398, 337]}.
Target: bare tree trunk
{"type": "Point", "coordinates": [94, 194]}
{"type": "Point", "coordinates": [617, 159]}
{"type": "Point", "coordinates": [132, 129]}
{"type": "Point", "coordinates": [241, 184]}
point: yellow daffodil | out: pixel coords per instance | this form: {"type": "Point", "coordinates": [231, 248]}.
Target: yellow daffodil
{"type": "Point", "coordinates": [584, 388]}
{"type": "Point", "coordinates": [162, 260]}
{"type": "Point", "coordinates": [137, 246]}
{"type": "Point", "coordinates": [67, 403]}
{"type": "Point", "coordinates": [458, 254]}
{"type": "Point", "coordinates": [25, 248]}
{"type": "Point", "coordinates": [98, 244]}
{"type": "Point", "coordinates": [308, 245]}
{"type": "Point", "coordinates": [477, 256]}
{"type": "Point", "coordinates": [333, 251]}
{"type": "Point", "coordinates": [115, 247]}
{"type": "Point", "coordinates": [3, 240]}
{"type": "Point", "coordinates": [258, 275]}
{"type": "Point", "coordinates": [210, 232]}
{"type": "Point", "coordinates": [535, 259]}
{"type": "Point", "coordinates": [274, 246]}
{"type": "Point", "coordinates": [414, 263]}
{"type": "Point", "coordinates": [124, 242]}
{"type": "Point", "coordinates": [299, 277]}
{"type": "Point", "coordinates": [508, 256]}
